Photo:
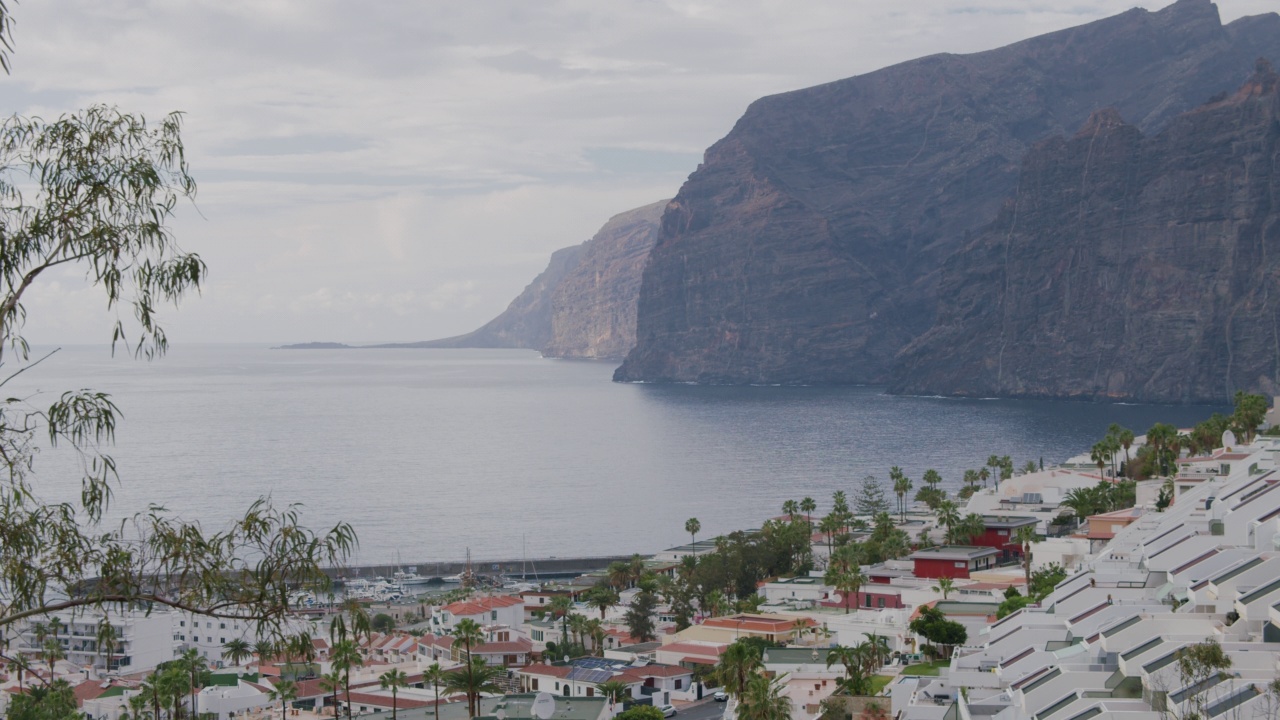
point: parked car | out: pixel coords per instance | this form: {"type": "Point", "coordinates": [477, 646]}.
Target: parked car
{"type": "Point", "coordinates": [667, 710]}
{"type": "Point", "coordinates": [721, 696]}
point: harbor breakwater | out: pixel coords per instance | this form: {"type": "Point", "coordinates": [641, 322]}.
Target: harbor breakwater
{"type": "Point", "coordinates": [531, 569]}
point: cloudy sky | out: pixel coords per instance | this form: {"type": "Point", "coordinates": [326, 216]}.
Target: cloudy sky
{"type": "Point", "coordinates": [399, 170]}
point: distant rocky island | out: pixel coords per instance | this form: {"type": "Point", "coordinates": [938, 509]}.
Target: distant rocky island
{"type": "Point", "coordinates": [316, 346]}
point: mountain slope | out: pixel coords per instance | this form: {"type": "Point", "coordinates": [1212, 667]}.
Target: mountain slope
{"type": "Point", "coordinates": [584, 304]}
{"type": "Point", "coordinates": [1126, 267]}
{"type": "Point", "coordinates": [806, 248]}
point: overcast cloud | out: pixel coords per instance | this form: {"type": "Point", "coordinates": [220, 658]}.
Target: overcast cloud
{"type": "Point", "coordinates": [400, 170]}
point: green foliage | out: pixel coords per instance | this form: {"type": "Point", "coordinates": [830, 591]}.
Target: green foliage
{"type": "Point", "coordinates": [1044, 580]}
{"type": "Point", "coordinates": [1165, 497]}
{"type": "Point", "coordinates": [1012, 605]}
{"type": "Point", "coordinates": [933, 625]}
{"type": "Point", "coordinates": [1104, 497]}
{"type": "Point", "coordinates": [55, 701]}
{"type": "Point", "coordinates": [383, 623]}
{"type": "Point", "coordinates": [871, 500]}
{"type": "Point", "coordinates": [640, 712]}
{"type": "Point", "coordinates": [764, 699]}
{"type": "Point", "coordinates": [640, 616]}
{"type": "Point", "coordinates": [95, 190]}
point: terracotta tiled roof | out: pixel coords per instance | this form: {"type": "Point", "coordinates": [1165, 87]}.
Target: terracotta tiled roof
{"type": "Point", "coordinates": [689, 648]}
{"type": "Point", "coordinates": [662, 671]}
{"type": "Point", "coordinates": [757, 623]}
{"type": "Point", "coordinates": [522, 645]}
{"type": "Point", "coordinates": [476, 606]}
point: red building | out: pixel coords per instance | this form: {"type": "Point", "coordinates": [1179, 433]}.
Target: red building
{"type": "Point", "coordinates": [953, 561]}
{"type": "Point", "coordinates": [999, 531]}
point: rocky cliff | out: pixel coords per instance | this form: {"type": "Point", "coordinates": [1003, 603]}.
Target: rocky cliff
{"type": "Point", "coordinates": [594, 307]}
{"type": "Point", "coordinates": [1126, 266]}
{"type": "Point", "coordinates": [526, 323]}
{"type": "Point", "coordinates": [584, 304]}
{"type": "Point", "coordinates": [806, 248]}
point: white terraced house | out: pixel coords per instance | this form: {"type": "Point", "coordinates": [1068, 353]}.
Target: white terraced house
{"type": "Point", "coordinates": [1106, 642]}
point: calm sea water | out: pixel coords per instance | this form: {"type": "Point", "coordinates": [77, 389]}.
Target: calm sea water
{"type": "Point", "coordinates": [429, 452]}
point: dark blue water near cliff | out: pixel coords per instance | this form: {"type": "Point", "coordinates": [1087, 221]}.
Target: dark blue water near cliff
{"type": "Point", "coordinates": [428, 452]}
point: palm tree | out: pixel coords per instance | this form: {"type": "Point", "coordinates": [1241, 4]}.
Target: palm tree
{"type": "Point", "coordinates": [237, 650]}
{"type": "Point", "coordinates": [393, 680]}
{"type": "Point", "coordinates": [692, 526]}
{"type": "Point", "coordinates": [602, 597]}
{"type": "Point", "coordinates": [764, 699]}
{"type": "Point", "coordinates": [619, 574]}
{"type": "Point", "coordinates": [595, 629]}
{"type": "Point", "coordinates": [435, 676]}
{"type": "Point", "coordinates": [807, 506]}
{"type": "Point", "coordinates": [477, 677]}
{"type": "Point", "coordinates": [737, 664]}
{"type": "Point", "coordinates": [948, 516]}
{"type": "Point", "coordinates": [578, 624]}
{"type": "Point", "coordinates": [1025, 536]}
{"type": "Point", "coordinates": [840, 507]}
{"type": "Point", "coordinates": [345, 656]}
{"type": "Point", "coordinates": [979, 476]}
{"type": "Point", "coordinates": [614, 690]}
{"type": "Point", "coordinates": [901, 486]}
{"type": "Point", "coordinates": [331, 683]}
{"type": "Point", "coordinates": [107, 638]}
{"type": "Point", "coordinates": [137, 704]}
{"type": "Point", "coordinates": [193, 665]}
{"type": "Point", "coordinates": [560, 606]}
{"type": "Point", "coordinates": [944, 586]}
{"type": "Point", "coordinates": [265, 650]}
{"type": "Point", "coordinates": [286, 691]}
{"type": "Point", "coordinates": [469, 633]}
{"type": "Point", "coordinates": [716, 603]}
{"type": "Point", "coordinates": [790, 508]}
{"type": "Point", "coordinates": [851, 659]}
{"type": "Point", "coordinates": [829, 526]}
{"type": "Point", "coordinates": [150, 690]}
{"type": "Point", "coordinates": [993, 462]}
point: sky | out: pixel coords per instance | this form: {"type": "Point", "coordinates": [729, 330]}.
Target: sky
{"type": "Point", "coordinates": [400, 170]}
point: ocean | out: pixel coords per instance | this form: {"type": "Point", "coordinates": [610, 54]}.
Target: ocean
{"type": "Point", "coordinates": [431, 452]}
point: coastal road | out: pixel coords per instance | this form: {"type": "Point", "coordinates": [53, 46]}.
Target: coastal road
{"type": "Point", "coordinates": [706, 709]}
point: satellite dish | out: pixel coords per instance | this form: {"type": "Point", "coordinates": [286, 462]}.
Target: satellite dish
{"type": "Point", "coordinates": [544, 706]}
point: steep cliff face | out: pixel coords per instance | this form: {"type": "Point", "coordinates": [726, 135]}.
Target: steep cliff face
{"type": "Point", "coordinates": [1125, 267]}
{"type": "Point", "coordinates": [806, 248]}
{"type": "Point", "coordinates": [584, 304]}
{"type": "Point", "coordinates": [526, 323]}
{"type": "Point", "coordinates": [594, 307]}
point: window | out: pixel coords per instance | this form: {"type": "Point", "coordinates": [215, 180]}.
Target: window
{"type": "Point", "coordinates": [678, 683]}
{"type": "Point", "coordinates": [493, 615]}
{"type": "Point", "coordinates": [222, 626]}
{"type": "Point", "coordinates": [208, 625]}
{"type": "Point", "coordinates": [1004, 532]}
{"type": "Point", "coordinates": [880, 602]}
{"type": "Point", "coordinates": [222, 640]}
{"type": "Point", "coordinates": [591, 692]}
{"type": "Point", "coordinates": [959, 564]}
{"type": "Point", "coordinates": [868, 599]}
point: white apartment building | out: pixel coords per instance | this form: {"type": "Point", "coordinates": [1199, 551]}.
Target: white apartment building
{"type": "Point", "coordinates": [142, 640]}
